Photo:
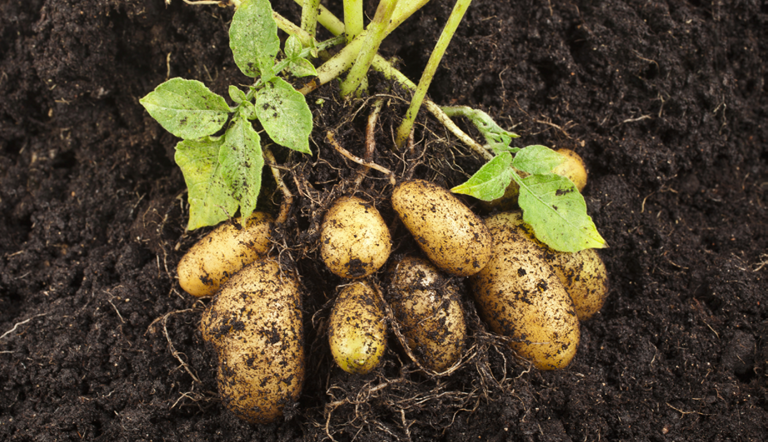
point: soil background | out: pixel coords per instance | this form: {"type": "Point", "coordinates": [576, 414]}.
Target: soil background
{"type": "Point", "coordinates": [665, 100]}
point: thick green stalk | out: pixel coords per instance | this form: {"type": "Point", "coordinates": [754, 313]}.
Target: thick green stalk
{"type": "Point", "coordinates": [377, 30]}
{"type": "Point", "coordinates": [353, 18]}
{"type": "Point", "coordinates": [309, 17]}
{"type": "Point", "coordinates": [429, 72]}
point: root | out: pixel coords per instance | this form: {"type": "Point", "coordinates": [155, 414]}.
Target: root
{"type": "Point", "coordinates": [370, 141]}
{"type": "Point", "coordinates": [332, 140]}
{"type": "Point", "coordinates": [287, 203]}
{"type": "Point", "coordinates": [176, 354]}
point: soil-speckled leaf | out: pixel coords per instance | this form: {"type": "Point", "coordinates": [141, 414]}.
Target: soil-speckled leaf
{"type": "Point", "coordinates": [241, 164]}
{"type": "Point", "coordinates": [302, 68]}
{"type": "Point", "coordinates": [186, 108]}
{"type": "Point", "coordinates": [537, 160]}
{"type": "Point", "coordinates": [284, 113]}
{"type": "Point", "coordinates": [490, 181]}
{"type": "Point", "coordinates": [557, 212]}
{"type": "Point", "coordinates": [210, 200]}
{"type": "Point", "coordinates": [253, 38]}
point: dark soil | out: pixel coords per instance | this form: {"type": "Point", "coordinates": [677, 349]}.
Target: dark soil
{"type": "Point", "coordinates": [665, 100]}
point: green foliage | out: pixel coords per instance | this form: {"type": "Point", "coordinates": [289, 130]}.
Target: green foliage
{"type": "Point", "coordinates": [551, 204]}
{"type": "Point", "coordinates": [223, 173]}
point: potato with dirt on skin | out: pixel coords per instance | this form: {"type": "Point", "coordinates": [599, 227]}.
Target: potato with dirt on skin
{"type": "Point", "coordinates": [427, 307]}
{"type": "Point", "coordinates": [224, 251]}
{"type": "Point", "coordinates": [453, 238]}
{"type": "Point", "coordinates": [357, 332]}
{"type": "Point", "coordinates": [582, 273]}
{"type": "Point", "coordinates": [255, 326]}
{"type": "Point", "coordinates": [354, 239]}
{"type": "Point", "coordinates": [519, 295]}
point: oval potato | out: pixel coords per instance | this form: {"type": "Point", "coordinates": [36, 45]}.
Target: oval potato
{"type": "Point", "coordinates": [519, 295]}
{"type": "Point", "coordinates": [582, 273]}
{"type": "Point", "coordinates": [453, 238]}
{"type": "Point", "coordinates": [221, 253]}
{"type": "Point", "coordinates": [357, 332]}
{"type": "Point", "coordinates": [429, 312]}
{"type": "Point", "coordinates": [255, 325]}
{"type": "Point", "coordinates": [573, 168]}
{"type": "Point", "coordinates": [354, 240]}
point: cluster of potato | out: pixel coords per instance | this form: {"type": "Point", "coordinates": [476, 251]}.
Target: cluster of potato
{"type": "Point", "coordinates": [522, 289]}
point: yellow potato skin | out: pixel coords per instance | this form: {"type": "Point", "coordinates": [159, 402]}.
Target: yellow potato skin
{"type": "Point", "coordinates": [519, 295]}
{"type": "Point", "coordinates": [453, 238]}
{"type": "Point", "coordinates": [357, 332]}
{"type": "Point", "coordinates": [254, 324]}
{"type": "Point", "coordinates": [582, 273]}
{"type": "Point", "coordinates": [428, 309]}
{"type": "Point", "coordinates": [573, 168]}
{"type": "Point", "coordinates": [221, 253]}
{"type": "Point", "coordinates": [354, 239]}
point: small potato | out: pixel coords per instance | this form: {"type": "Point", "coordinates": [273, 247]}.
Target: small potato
{"type": "Point", "coordinates": [254, 324]}
{"type": "Point", "coordinates": [582, 273]}
{"type": "Point", "coordinates": [357, 332]}
{"type": "Point", "coordinates": [354, 240]}
{"type": "Point", "coordinates": [452, 237]}
{"type": "Point", "coordinates": [519, 295]}
{"type": "Point", "coordinates": [573, 168]}
{"type": "Point", "coordinates": [221, 253]}
{"type": "Point", "coordinates": [427, 307]}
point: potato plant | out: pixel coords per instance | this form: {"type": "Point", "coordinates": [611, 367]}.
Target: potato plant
{"type": "Point", "coordinates": [254, 322]}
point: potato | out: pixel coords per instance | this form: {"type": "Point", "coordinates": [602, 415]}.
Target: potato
{"type": "Point", "coordinates": [427, 307]}
{"type": "Point", "coordinates": [357, 332]}
{"type": "Point", "coordinates": [519, 295]}
{"type": "Point", "coordinates": [452, 237]}
{"type": "Point", "coordinates": [254, 324]}
{"type": "Point", "coordinates": [354, 240]}
{"type": "Point", "coordinates": [573, 168]}
{"type": "Point", "coordinates": [582, 273]}
{"type": "Point", "coordinates": [221, 253]}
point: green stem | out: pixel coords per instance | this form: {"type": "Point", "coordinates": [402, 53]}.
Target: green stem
{"type": "Point", "coordinates": [377, 30]}
{"type": "Point", "coordinates": [309, 17]}
{"type": "Point", "coordinates": [429, 72]}
{"type": "Point", "coordinates": [353, 18]}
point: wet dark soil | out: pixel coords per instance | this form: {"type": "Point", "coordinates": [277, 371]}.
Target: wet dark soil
{"type": "Point", "coordinates": [665, 100]}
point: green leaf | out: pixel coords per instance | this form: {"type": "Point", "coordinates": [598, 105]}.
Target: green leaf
{"type": "Point", "coordinates": [241, 162]}
{"type": "Point", "coordinates": [293, 48]}
{"type": "Point", "coordinates": [490, 182]}
{"type": "Point", "coordinates": [210, 200]}
{"type": "Point", "coordinates": [302, 68]}
{"type": "Point", "coordinates": [284, 113]}
{"type": "Point", "coordinates": [557, 212]}
{"type": "Point", "coordinates": [253, 38]}
{"type": "Point", "coordinates": [186, 108]}
{"type": "Point", "coordinates": [236, 94]}
{"type": "Point", "coordinates": [537, 160]}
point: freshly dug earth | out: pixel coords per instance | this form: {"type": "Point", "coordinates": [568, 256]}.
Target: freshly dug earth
{"type": "Point", "coordinates": [666, 101]}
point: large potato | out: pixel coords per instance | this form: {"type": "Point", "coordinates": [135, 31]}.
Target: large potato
{"type": "Point", "coordinates": [357, 332]}
{"type": "Point", "coordinates": [254, 324]}
{"type": "Point", "coordinates": [354, 240]}
{"type": "Point", "coordinates": [582, 273]}
{"type": "Point", "coordinates": [221, 253]}
{"type": "Point", "coordinates": [452, 237]}
{"type": "Point", "coordinates": [426, 305]}
{"type": "Point", "coordinates": [519, 295]}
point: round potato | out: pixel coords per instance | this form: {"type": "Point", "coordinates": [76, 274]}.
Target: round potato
{"type": "Point", "coordinates": [357, 332]}
{"type": "Point", "coordinates": [452, 237]}
{"type": "Point", "coordinates": [426, 305]}
{"type": "Point", "coordinates": [254, 324]}
{"type": "Point", "coordinates": [221, 253]}
{"type": "Point", "coordinates": [582, 273]}
{"type": "Point", "coordinates": [519, 295]}
{"type": "Point", "coordinates": [354, 240]}
{"type": "Point", "coordinates": [573, 168]}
